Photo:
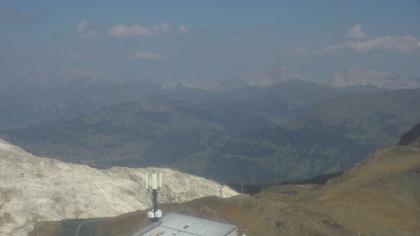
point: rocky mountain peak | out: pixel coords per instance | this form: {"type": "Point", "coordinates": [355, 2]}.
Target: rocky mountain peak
{"type": "Point", "coordinates": [382, 80]}
{"type": "Point", "coordinates": [34, 189]}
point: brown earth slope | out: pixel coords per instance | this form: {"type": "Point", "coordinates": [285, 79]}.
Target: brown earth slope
{"type": "Point", "coordinates": [381, 196]}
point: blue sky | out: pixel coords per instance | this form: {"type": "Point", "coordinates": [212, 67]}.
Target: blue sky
{"type": "Point", "coordinates": [209, 39]}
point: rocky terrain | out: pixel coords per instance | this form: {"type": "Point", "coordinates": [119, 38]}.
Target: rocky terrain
{"type": "Point", "coordinates": [380, 196]}
{"type": "Point", "coordinates": [34, 189]}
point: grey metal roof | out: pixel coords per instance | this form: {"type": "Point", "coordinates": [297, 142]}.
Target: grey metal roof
{"type": "Point", "coordinates": [175, 224]}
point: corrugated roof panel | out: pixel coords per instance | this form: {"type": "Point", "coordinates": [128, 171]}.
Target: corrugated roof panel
{"type": "Point", "coordinates": [175, 224]}
{"type": "Point", "coordinates": [196, 225]}
{"type": "Point", "coordinates": [162, 231]}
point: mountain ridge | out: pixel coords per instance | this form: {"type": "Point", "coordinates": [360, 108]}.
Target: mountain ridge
{"type": "Point", "coordinates": [357, 76]}
{"type": "Point", "coordinates": [380, 196]}
{"type": "Point", "coordinates": [34, 189]}
{"type": "Point", "coordinates": [412, 137]}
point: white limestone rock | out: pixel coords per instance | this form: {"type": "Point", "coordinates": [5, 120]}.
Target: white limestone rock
{"type": "Point", "coordinates": [34, 189]}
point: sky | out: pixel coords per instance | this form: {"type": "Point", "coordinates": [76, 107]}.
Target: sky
{"type": "Point", "coordinates": [197, 39]}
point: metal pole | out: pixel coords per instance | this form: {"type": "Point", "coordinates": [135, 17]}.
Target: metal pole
{"type": "Point", "coordinates": [155, 203]}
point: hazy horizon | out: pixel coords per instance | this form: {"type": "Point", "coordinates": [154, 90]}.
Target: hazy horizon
{"type": "Point", "coordinates": [208, 40]}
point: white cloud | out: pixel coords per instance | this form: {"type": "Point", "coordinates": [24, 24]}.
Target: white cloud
{"type": "Point", "coordinates": [297, 52]}
{"type": "Point", "coordinates": [139, 30]}
{"type": "Point", "coordinates": [15, 16]}
{"type": "Point", "coordinates": [80, 55]}
{"type": "Point", "coordinates": [385, 43]}
{"type": "Point", "coordinates": [358, 42]}
{"type": "Point", "coordinates": [356, 32]}
{"type": "Point", "coordinates": [84, 30]}
{"type": "Point", "coordinates": [183, 29]}
{"type": "Point", "coordinates": [83, 73]}
{"type": "Point", "coordinates": [82, 26]}
{"type": "Point", "coordinates": [146, 56]}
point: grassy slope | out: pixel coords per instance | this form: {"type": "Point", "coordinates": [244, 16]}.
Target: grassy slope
{"type": "Point", "coordinates": [376, 118]}
{"type": "Point", "coordinates": [379, 197]}
{"type": "Point", "coordinates": [383, 194]}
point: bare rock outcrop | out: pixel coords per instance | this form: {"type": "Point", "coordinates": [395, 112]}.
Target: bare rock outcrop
{"type": "Point", "coordinates": [34, 189]}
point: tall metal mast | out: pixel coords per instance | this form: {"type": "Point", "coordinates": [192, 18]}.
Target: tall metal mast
{"type": "Point", "coordinates": [154, 183]}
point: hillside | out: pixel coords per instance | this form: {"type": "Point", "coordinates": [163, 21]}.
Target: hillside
{"type": "Point", "coordinates": [381, 196]}
{"type": "Point", "coordinates": [412, 137]}
{"type": "Point", "coordinates": [370, 118]}
{"type": "Point", "coordinates": [25, 102]}
{"type": "Point", "coordinates": [268, 134]}
{"type": "Point", "coordinates": [193, 139]}
{"type": "Point", "coordinates": [34, 189]}
{"type": "Point", "coordinates": [385, 190]}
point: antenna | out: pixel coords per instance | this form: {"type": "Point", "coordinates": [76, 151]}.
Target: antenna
{"type": "Point", "coordinates": [220, 197]}
{"type": "Point", "coordinates": [154, 183]}
{"type": "Point", "coordinates": [220, 191]}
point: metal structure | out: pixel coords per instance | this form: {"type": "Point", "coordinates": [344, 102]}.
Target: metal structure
{"type": "Point", "coordinates": [174, 224]}
{"type": "Point", "coordinates": [153, 184]}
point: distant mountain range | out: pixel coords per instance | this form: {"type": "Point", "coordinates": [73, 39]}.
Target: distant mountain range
{"type": "Point", "coordinates": [287, 131]}
{"type": "Point", "coordinates": [354, 77]}
{"type": "Point", "coordinates": [378, 118]}
{"type": "Point", "coordinates": [24, 102]}
{"type": "Point", "coordinates": [47, 98]}
{"type": "Point", "coordinates": [34, 189]}
{"type": "Point", "coordinates": [381, 80]}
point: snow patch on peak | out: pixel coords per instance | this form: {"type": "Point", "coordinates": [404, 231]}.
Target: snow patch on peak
{"type": "Point", "coordinates": [381, 80]}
